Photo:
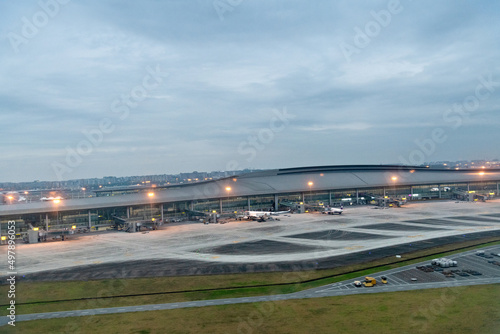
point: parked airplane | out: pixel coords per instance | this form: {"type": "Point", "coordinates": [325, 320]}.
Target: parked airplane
{"type": "Point", "coordinates": [332, 211]}
{"type": "Point", "coordinates": [51, 198]}
{"type": "Point", "coordinates": [11, 197]}
{"type": "Point", "coordinates": [262, 215]}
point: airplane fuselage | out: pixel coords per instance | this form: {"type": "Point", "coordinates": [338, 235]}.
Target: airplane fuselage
{"type": "Point", "coordinates": [332, 211]}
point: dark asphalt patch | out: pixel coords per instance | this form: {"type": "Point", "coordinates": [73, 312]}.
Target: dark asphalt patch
{"type": "Point", "coordinates": [338, 235]}
{"type": "Point", "coordinates": [199, 238]}
{"type": "Point", "coordinates": [386, 217]}
{"type": "Point", "coordinates": [266, 229]}
{"type": "Point", "coordinates": [261, 247]}
{"type": "Point", "coordinates": [396, 227]}
{"type": "Point", "coordinates": [492, 215]}
{"type": "Point", "coordinates": [438, 222]}
{"type": "Point", "coordinates": [475, 218]}
{"type": "Point", "coordinates": [177, 267]}
{"type": "Point", "coordinates": [422, 213]}
{"type": "Point", "coordinates": [336, 220]}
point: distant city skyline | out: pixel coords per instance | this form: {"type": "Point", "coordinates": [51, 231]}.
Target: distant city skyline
{"type": "Point", "coordinates": [97, 88]}
{"type": "Point", "coordinates": [154, 180]}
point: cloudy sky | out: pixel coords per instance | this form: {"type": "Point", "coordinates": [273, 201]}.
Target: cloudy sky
{"type": "Point", "coordinates": [99, 88]}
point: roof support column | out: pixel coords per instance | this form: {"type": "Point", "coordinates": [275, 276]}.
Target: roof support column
{"type": "Point", "coordinates": [439, 187]}
{"type": "Point", "coordinates": [90, 220]}
{"type": "Point", "coordinates": [384, 192]}
{"type": "Point", "coordinates": [411, 192]}
{"type": "Point", "coordinates": [47, 222]}
{"type": "Point", "coordinates": [303, 198]}
{"type": "Point", "coordinates": [248, 203]}
{"type": "Point", "coordinates": [357, 197]}
{"type": "Point", "coordinates": [468, 186]}
{"type": "Point", "coordinates": [498, 186]}
{"type": "Point", "coordinates": [220, 205]}
{"type": "Point", "coordinates": [276, 205]}
{"type": "Point", "coordinates": [128, 211]}
{"type": "Point", "coordinates": [330, 198]}
{"type": "Point", "coordinates": [161, 211]}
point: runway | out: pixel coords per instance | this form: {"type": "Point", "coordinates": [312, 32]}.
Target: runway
{"type": "Point", "coordinates": [399, 279]}
{"type": "Point", "coordinates": [295, 242]}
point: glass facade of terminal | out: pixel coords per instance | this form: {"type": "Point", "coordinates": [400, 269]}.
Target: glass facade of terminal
{"type": "Point", "coordinates": [102, 218]}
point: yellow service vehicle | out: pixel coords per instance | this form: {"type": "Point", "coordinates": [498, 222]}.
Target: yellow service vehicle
{"type": "Point", "coordinates": [369, 281]}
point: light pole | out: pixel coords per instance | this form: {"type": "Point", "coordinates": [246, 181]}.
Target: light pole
{"type": "Point", "coordinates": [394, 179]}
{"type": "Point", "coordinates": [56, 202]}
{"type": "Point", "coordinates": [310, 184]}
{"type": "Point", "coordinates": [481, 173]}
{"type": "Point", "coordinates": [151, 195]}
{"type": "Point", "coordinates": [228, 190]}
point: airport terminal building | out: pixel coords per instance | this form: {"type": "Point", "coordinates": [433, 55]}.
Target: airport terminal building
{"type": "Point", "coordinates": [270, 190]}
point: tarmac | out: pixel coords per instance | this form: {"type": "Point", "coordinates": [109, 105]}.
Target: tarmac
{"type": "Point", "coordinates": [294, 242]}
{"type": "Point", "coordinates": [405, 278]}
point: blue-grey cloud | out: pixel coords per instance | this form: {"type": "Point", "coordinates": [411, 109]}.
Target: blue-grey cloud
{"type": "Point", "coordinates": [222, 81]}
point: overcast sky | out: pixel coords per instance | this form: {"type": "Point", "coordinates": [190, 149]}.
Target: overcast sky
{"type": "Point", "coordinates": [100, 88]}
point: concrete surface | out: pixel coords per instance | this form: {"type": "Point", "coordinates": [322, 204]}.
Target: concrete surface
{"type": "Point", "coordinates": [295, 242]}
{"type": "Point", "coordinates": [398, 280]}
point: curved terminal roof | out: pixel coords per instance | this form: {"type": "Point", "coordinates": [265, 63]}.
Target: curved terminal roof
{"type": "Point", "coordinates": [276, 181]}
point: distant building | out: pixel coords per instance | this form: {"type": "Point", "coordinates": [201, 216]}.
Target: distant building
{"type": "Point", "coordinates": [268, 190]}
